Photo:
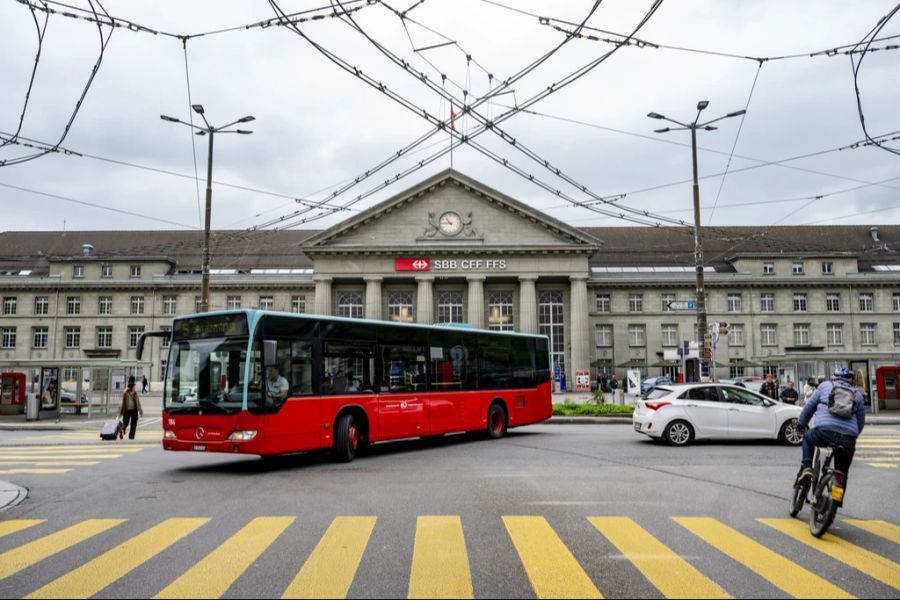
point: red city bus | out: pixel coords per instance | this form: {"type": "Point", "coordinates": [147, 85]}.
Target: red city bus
{"type": "Point", "coordinates": [261, 382]}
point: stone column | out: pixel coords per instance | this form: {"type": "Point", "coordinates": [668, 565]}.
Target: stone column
{"type": "Point", "coordinates": [373, 297]}
{"type": "Point", "coordinates": [528, 321]}
{"type": "Point", "coordinates": [476, 300]}
{"type": "Point", "coordinates": [425, 299]}
{"type": "Point", "coordinates": [323, 295]}
{"type": "Point", "coordinates": [580, 336]}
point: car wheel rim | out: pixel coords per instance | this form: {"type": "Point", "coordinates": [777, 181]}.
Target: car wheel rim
{"type": "Point", "coordinates": [792, 433]}
{"type": "Point", "coordinates": [679, 434]}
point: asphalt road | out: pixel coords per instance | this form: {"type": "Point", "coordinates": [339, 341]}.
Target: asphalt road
{"type": "Point", "coordinates": [558, 476]}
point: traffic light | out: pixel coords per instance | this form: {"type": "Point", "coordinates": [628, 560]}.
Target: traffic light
{"type": "Point", "coordinates": [723, 328]}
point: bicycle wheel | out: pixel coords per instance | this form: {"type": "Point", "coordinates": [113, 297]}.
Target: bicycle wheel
{"type": "Point", "coordinates": [798, 498]}
{"type": "Point", "coordinates": [823, 508]}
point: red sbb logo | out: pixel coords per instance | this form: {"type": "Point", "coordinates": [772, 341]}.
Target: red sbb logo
{"type": "Point", "coordinates": [412, 264]}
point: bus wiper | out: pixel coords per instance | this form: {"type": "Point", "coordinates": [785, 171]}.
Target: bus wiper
{"type": "Point", "coordinates": [211, 404]}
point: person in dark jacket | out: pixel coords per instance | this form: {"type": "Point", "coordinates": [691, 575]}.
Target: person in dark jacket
{"type": "Point", "coordinates": [769, 387]}
{"type": "Point", "coordinates": [790, 395]}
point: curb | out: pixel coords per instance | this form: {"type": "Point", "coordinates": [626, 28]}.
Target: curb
{"type": "Point", "coordinates": [11, 495]}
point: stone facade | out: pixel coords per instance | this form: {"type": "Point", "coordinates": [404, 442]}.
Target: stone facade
{"type": "Point", "coordinates": [489, 260]}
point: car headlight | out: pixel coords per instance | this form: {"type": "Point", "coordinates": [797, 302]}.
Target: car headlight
{"type": "Point", "coordinates": [242, 436]}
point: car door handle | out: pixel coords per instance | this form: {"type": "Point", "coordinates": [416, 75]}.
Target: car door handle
{"type": "Point", "coordinates": [734, 409]}
{"type": "Point", "coordinates": [691, 405]}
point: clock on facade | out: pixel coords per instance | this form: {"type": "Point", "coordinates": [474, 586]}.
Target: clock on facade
{"type": "Point", "coordinates": [450, 223]}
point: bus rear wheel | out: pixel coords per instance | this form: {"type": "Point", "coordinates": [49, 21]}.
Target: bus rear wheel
{"type": "Point", "coordinates": [496, 422]}
{"type": "Point", "coordinates": [346, 439]}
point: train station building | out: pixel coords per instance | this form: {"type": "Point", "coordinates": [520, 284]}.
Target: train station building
{"type": "Point", "coordinates": [797, 300]}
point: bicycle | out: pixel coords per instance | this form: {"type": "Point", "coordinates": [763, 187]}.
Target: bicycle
{"type": "Point", "coordinates": [828, 485]}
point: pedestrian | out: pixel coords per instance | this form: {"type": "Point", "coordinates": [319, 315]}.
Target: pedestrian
{"type": "Point", "coordinates": [790, 395]}
{"type": "Point", "coordinates": [614, 384]}
{"type": "Point", "coordinates": [769, 387]}
{"type": "Point", "coordinates": [145, 385]}
{"type": "Point", "coordinates": [809, 389]}
{"type": "Point", "coordinates": [131, 408]}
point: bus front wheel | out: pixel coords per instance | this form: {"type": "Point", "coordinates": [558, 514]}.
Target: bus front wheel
{"type": "Point", "coordinates": [346, 439]}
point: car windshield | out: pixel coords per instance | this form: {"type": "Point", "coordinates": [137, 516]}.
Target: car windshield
{"type": "Point", "coordinates": [208, 374]}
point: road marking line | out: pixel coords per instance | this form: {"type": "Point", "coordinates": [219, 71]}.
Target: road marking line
{"type": "Point", "coordinates": [14, 525]}
{"type": "Point", "coordinates": [873, 565]}
{"type": "Point", "coordinates": [72, 456]}
{"type": "Point", "coordinates": [80, 447]}
{"type": "Point", "coordinates": [93, 576]}
{"type": "Point", "coordinates": [669, 572]}
{"type": "Point", "coordinates": [550, 565]}
{"type": "Point", "coordinates": [51, 452]}
{"type": "Point", "coordinates": [771, 566]}
{"type": "Point", "coordinates": [33, 471]}
{"type": "Point", "coordinates": [882, 465]}
{"type": "Point", "coordinates": [49, 463]}
{"type": "Point", "coordinates": [21, 557]}
{"type": "Point", "coordinates": [440, 564]}
{"type": "Point", "coordinates": [888, 531]}
{"type": "Point", "coordinates": [332, 565]}
{"type": "Point", "coordinates": [212, 576]}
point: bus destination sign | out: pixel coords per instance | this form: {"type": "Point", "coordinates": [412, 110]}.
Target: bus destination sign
{"type": "Point", "coordinates": [211, 327]}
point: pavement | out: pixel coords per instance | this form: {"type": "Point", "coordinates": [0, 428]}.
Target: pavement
{"type": "Point", "coordinates": [11, 494]}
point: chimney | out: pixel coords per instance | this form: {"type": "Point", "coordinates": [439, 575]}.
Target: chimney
{"type": "Point", "coordinates": [873, 231]}
{"type": "Point", "coordinates": [87, 249]}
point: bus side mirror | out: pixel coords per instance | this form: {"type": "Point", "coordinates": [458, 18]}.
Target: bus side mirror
{"type": "Point", "coordinates": [143, 337]}
{"type": "Point", "coordinates": [270, 353]}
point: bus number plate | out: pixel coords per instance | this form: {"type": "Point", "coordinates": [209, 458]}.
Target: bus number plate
{"type": "Point", "coordinates": [199, 447]}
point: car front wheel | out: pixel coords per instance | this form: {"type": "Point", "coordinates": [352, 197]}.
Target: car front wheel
{"type": "Point", "coordinates": [790, 433]}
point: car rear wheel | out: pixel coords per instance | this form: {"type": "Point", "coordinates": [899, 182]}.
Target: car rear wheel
{"type": "Point", "coordinates": [679, 433]}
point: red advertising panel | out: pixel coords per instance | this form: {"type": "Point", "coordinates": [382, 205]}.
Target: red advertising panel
{"type": "Point", "coordinates": [412, 264]}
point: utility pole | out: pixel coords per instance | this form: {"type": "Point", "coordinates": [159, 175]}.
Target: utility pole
{"type": "Point", "coordinates": [698, 235]}
{"type": "Point", "coordinates": [210, 131]}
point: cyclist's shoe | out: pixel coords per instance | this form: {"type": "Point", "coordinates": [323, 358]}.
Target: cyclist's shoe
{"type": "Point", "coordinates": [805, 476]}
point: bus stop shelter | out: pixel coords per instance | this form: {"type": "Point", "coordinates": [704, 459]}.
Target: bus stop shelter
{"type": "Point", "coordinates": [86, 386]}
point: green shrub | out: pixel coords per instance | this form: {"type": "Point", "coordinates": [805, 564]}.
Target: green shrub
{"type": "Point", "coordinates": [569, 410]}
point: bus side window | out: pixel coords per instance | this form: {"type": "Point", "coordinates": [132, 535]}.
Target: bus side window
{"type": "Point", "coordinates": [403, 359]}
{"type": "Point", "coordinates": [300, 372]}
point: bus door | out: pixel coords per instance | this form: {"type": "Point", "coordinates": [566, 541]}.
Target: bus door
{"type": "Point", "coordinates": [293, 415]}
{"type": "Point", "coordinates": [450, 375]}
{"type": "Point", "coordinates": [403, 386]}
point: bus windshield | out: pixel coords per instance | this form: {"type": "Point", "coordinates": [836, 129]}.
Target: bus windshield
{"type": "Point", "coordinates": [208, 375]}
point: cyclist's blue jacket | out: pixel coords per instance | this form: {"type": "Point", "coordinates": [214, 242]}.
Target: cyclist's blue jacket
{"type": "Point", "coordinates": [818, 404]}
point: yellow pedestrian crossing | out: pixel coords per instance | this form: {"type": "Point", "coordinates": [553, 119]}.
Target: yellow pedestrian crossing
{"type": "Point", "coordinates": [878, 448]}
{"type": "Point", "coordinates": [212, 576]}
{"type": "Point", "coordinates": [13, 561]}
{"type": "Point", "coordinates": [95, 575]}
{"type": "Point", "coordinates": [873, 565]}
{"type": "Point", "coordinates": [888, 531]}
{"type": "Point", "coordinates": [142, 435]}
{"type": "Point", "coordinates": [440, 565]}
{"type": "Point", "coordinates": [551, 567]}
{"type": "Point", "coordinates": [16, 525]}
{"type": "Point", "coordinates": [329, 570]}
{"type": "Point", "coordinates": [53, 460]}
{"type": "Point", "coordinates": [777, 569]}
{"type": "Point", "coordinates": [671, 574]}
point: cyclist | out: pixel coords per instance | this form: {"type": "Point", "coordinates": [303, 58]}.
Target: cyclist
{"type": "Point", "coordinates": [831, 428]}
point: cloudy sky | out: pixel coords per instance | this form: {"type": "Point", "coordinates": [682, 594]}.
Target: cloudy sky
{"type": "Point", "coordinates": [318, 127]}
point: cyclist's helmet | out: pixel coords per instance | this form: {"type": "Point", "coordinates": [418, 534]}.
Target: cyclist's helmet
{"type": "Point", "coordinates": [845, 374]}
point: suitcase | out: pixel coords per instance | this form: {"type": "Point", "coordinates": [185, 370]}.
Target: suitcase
{"type": "Point", "coordinates": [110, 430]}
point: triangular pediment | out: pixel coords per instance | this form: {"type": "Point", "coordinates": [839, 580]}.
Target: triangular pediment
{"type": "Point", "coordinates": [450, 211]}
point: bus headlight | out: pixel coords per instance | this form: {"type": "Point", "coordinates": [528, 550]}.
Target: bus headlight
{"type": "Point", "coordinates": [242, 436]}
{"type": "Point", "coordinates": [168, 434]}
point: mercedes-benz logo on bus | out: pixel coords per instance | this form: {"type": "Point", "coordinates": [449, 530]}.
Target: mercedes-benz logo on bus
{"type": "Point", "coordinates": [200, 433]}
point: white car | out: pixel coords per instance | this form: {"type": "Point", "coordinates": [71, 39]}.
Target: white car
{"type": "Point", "coordinates": [679, 414]}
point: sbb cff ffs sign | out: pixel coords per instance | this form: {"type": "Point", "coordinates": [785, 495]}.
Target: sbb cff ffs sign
{"type": "Point", "coordinates": [412, 264]}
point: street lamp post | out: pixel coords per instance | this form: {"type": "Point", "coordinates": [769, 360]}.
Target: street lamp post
{"type": "Point", "coordinates": [210, 131]}
{"type": "Point", "coordinates": [698, 236]}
